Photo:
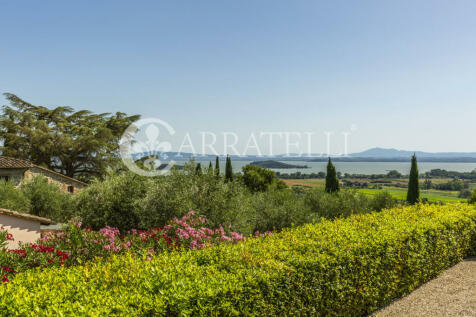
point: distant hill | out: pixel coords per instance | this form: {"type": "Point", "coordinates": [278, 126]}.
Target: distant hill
{"type": "Point", "coordinates": [276, 164]}
{"type": "Point", "coordinates": [372, 155]}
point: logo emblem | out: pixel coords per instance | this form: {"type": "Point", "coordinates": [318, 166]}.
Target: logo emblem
{"type": "Point", "coordinates": [141, 149]}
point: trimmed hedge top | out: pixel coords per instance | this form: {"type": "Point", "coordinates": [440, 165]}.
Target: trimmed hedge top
{"type": "Point", "coordinates": [346, 267]}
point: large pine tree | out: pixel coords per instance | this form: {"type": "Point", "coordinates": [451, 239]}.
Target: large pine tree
{"type": "Point", "coordinates": [228, 170]}
{"type": "Point", "coordinates": [78, 144]}
{"type": "Point", "coordinates": [413, 194]}
{"type": "Point", "coordinates": [332, 183]}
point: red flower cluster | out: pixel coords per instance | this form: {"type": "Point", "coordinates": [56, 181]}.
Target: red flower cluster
{"type": "Point", "coordinates": [62, 256]}
{"type": "Point", "coordinates": [27, 256]}
{"type": "Point", "coordinates": [7, 271]}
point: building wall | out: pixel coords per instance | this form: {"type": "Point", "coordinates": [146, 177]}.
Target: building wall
{"type": "Point", "coordinates": [23, 230]}
{"type": "Point", "coordinates": [54, 178]}
{"type": "Point", "coordinates": [17, 175]}
{"type": "Point", "coordinates": [13, 174]}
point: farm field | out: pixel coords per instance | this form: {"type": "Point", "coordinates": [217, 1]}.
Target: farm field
{"type": "Point", "coordinates": [401, 193]}
{"type": "Point", "coordinates": [432, 195]}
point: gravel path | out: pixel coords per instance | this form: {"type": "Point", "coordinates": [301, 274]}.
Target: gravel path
{"type": "Point", "coordinates": [453, 293]}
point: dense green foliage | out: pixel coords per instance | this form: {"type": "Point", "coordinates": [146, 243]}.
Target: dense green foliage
{"type": "Point", "coordinates": [455, 185]}
{"type": "Point", "coordinates": [299, 175]}
{"type": "Point", "coordinates": [255, 201]}
{"type": "Point", "coordinates": [383, 200]}
{"type": "Point", "coordinates": [111, 201]}
{"type": "Point", "coordinates": [440, 173]}
{"type": "Point", "coordinates": [38, 197]}
{"type": "Point", "coordinates": [340, 204]}
{"type": "Point", "coordinates": [413, 194]}
{"type": "Point", "coordinates": [465, 193]}
{"type": "Point", "coordinates": [76, 143]}
{"type": "Point", "coordinates": [46, 199]}
{"type": "Point", "coordinates": [332, 183]}
{"type": "Point", "coordinates": [128, 201]}
{"type": "Point", "coordinates": [472, 199]}
{"type": "Point", "coordinates": [276, 209]}
{"type": "Point", "coordinates": [259, 179]}
{"type": "Point", "coordinates": [12, 198]}
{"type": "Point", "coordinates": [347, 267]}
{"type": "Point", "coordinates": [174, 195]}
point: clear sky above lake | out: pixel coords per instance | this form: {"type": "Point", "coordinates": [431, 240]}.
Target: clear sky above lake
{"type": "Point", "coordinates": [399, 74]}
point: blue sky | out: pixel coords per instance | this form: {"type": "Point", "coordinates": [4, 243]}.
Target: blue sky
{"type": "Point", "coordinates": [402, 73]}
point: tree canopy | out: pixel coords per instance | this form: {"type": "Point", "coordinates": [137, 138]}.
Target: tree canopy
{"type": "Point", "coordinates": [259, 179]}
{"type": "Point", "coordinates": [78, 144]}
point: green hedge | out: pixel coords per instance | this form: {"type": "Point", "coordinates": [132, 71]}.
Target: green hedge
{"type": "Point", "coordinates": [345, 267]}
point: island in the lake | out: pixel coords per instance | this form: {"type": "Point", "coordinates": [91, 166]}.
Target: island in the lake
{"type": "Point", "coordinates": [276, 164]}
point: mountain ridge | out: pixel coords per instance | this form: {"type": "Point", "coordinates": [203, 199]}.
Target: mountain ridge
{"type": "Point", "coordinates": [394, 153]}
{"type": "Point", "coordinates": [371, 155]}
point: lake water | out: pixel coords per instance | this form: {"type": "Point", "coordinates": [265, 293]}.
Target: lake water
{"type": "Point", "coordinates": [357, 167]}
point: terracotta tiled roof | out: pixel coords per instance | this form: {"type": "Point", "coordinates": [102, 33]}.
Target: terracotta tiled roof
{"type": "Point", "coordinates": [25, 216]}
{"type": "Point", "coordinates": [10, 162]}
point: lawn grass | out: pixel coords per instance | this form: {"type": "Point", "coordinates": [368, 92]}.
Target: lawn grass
{"type": "Point", "coordinates": [312, 182]}
{"type": "Point", "coordinates": [401, 193]}
{"type": "Point", "coordinates": [432, 195]}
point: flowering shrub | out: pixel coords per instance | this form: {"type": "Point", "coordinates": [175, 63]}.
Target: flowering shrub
{"type": "Point", "coordinates": [76, 245]}
{"type": "Point", "coordinates": [5, 270]}
{"type": "Point", "coordinates": [27, 256]}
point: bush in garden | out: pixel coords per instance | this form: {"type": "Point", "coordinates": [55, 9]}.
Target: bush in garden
{"type": "Point", "coordinates": [46, 199]}
{"type": "Point", "coordinates": [175, 194]}
{"type": "Point", "coordinates": [340, 204]}
{"type": "Point", "coordinates": [278, 209]}
{"type": "Point", "coordinates": [317, 269]}
{"type": "Point", "coordinates": [128, 201]}
{"type": "Point", "coordinates": [259, 179]}
{"type": "Point", "coordinates": [465, 193]}
{"type": "Point", "coordinates": [472, 199]}
{"type": "Point", "coordinates": [111, 201]}
{"type": "Point", "coordinates": [383, 200]}
{"type": "Point", "coordinates": [12, 198]}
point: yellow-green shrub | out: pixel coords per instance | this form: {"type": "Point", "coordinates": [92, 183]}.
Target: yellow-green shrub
{"type": "Point", "coordinates": [344, 267]}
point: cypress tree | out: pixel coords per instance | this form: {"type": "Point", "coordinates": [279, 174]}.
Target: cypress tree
{"type": "Point", "coordinates": [413, 194]}
{"type": "Point", "coordinates": [210, 169]}
{"type": "Point", "coordinates": [198, 169]}
{"type": "Point", "coordinates": [332, 183]}
{"type": "Point", "coordinates": [217, 166]}
{"type": "Point", "coordinates": [228, 170]}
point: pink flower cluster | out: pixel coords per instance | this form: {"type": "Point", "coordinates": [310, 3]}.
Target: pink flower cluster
{"type": "Point", "coordinates": [192, 233]}
{"type": "Point", "coordinates": [75, 244]}
{"type": "Point", "coordinates": [189, 232]}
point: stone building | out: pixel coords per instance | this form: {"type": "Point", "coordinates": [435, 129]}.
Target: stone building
{"type": "Point", "coordinates": [18, 171]}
